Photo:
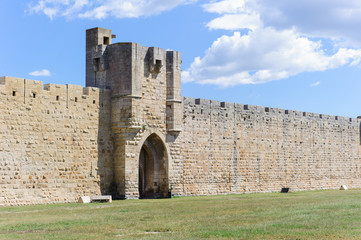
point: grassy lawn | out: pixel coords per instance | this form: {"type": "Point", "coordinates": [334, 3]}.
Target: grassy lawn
{"type": "Point", "coordinates": [302, 215]}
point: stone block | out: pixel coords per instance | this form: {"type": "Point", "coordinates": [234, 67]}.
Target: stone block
{"type": "Point", "coordinates": [102, 198]}
{"type": "Point", "coordinates": [343, 187]}
{"type": "Point", "coordinates": [84, 199]}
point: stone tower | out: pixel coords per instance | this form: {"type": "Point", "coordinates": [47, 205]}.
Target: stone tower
{"type": "Point", "coordinates": [97, 40]}
{"type": "Point", "coordinates": [146, 109]}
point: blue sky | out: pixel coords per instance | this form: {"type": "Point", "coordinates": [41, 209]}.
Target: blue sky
{"type": "Point", "coordinates": [299, 55]}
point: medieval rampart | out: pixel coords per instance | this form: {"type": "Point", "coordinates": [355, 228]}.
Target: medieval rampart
{"type": "Point", "coordinates": [55, 142]}
{"type": "Point", "coordinates": [235, 148]}
{"type": "Point", "coordinates": [129, 133]}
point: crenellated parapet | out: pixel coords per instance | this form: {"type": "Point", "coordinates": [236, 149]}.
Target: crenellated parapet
{"type": "Point", "coordinates": [199, 106]}
{"type": "Point", "coordinates": [232, 148]}
{"type": "Point", "coordinates": [55, 142]}
{"type": "Point", "coordinates": [135, 73]}
{"type": "Point", "coordinates": [33, 92]}
{"type": "Point", "coordinates": [145, 90]}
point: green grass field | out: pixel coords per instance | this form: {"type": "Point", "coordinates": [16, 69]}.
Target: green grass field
{"type": "Point", "coordinates": [331, 214]}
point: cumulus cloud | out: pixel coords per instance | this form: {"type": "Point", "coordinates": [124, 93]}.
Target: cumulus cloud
{"type": "Point", "coordinates": [41, 73]}
{"type": "Point", "coordinates": [94, 9]}
{"type": "Point", "coordinates": [281, 40]}
{"type": "Point", "coordinates": [263, 55]}
{"type": "Point", "coordinates": [332, 19]}
{"type": "Point", "coordinates": [236, 14]}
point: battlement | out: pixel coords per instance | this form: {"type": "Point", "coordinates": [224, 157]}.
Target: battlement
{"type": "Point", "coordinates": [32, 91]}
{"type": "Point", "coordinates": [207, 106]}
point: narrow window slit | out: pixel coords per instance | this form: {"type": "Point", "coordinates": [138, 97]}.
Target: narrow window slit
{"type": "Point", "coordinates": [106, 40]}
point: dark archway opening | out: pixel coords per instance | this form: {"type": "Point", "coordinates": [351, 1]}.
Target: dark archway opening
{"type": "Point", "coordinates": [153, 169]}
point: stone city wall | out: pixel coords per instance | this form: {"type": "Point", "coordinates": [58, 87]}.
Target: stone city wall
{"type": "Point", "coordinates": [55, 142]}
{"type": "Point", "coordinates": [235, 148]}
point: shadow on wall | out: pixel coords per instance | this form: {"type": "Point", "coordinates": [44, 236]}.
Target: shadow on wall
{"type": "Point", "coordinates": [152, 63]}
{"type": "Point", "coordinates": [105, 146]}
{"type": "Point", "coordinates": [153, 169]}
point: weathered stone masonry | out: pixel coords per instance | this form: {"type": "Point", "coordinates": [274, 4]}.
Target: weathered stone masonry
{"type": "Point", "coordinates": [55, 142]}
{"type": "Point", "coordinates": [235, 148]}
{"type": "Point", "coordinates": [129, 133]}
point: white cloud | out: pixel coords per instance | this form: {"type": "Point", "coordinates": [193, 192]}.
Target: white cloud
{"type": "Point", "coordinates": [236, 21]}
{"type": "Point", "coordinates": [230, 6]}
{"type": "Point", "coordinates": [41, 73]}
{"type": "Point", "coordinates": [237, 14]}
{"type": "Point", "coordinates": [284, 39]}
{"type": "Point", "coordinates": [332, 19]}
{"type": "Point", "coordinates": [263, 55]}
{"type": "Point", "coordinates": [315, 84]}
{"type": "Point", "coordinates": [94, 9]}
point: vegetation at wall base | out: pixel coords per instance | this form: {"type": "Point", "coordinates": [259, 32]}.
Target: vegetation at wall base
{"type": "Point", "coordinates": [328, 214]}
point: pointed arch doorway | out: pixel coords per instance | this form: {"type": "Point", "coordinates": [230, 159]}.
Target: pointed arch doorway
{"type": "Point", "coordinates": [153, 169]}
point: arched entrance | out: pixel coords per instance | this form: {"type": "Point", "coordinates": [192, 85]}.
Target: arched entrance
{"type": "Point", "coordinates": [153, 169]}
